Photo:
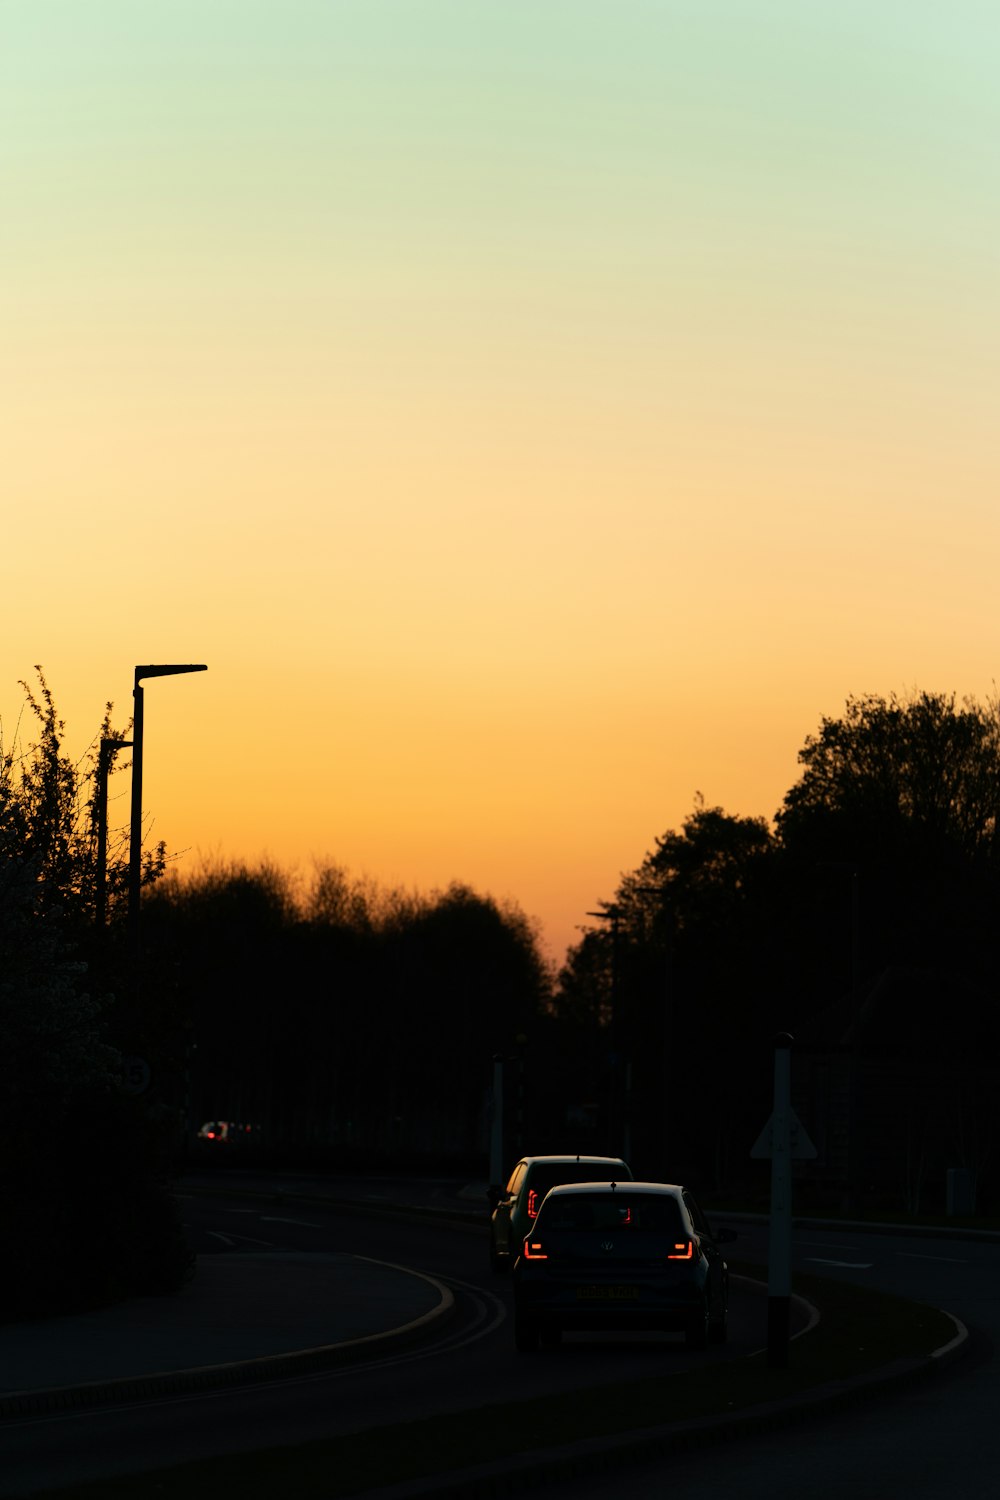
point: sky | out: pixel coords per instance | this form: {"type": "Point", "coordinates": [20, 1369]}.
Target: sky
{"type": "Point", "coordinates": [535, 414]}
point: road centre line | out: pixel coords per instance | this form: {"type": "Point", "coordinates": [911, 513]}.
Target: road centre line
{"type": "Point", "coordinates": [826, 1245]}
{"type": "Point", "coordinates": [951, 1260]}
{"type": "Point", "coordinates": [851, 1265]}
{"type": "Point", "coordinates": [302, 1223]}
{"type": "Point", "coordinates": [231, 1239]}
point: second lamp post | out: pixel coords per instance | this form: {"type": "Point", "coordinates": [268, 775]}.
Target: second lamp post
{"type": "Point", "coordinates": [135, 835]}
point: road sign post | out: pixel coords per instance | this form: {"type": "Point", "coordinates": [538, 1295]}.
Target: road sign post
{"type": "Point", "coordinates": [496, 1124]}
{"type": "Point", "coordinates": [783, 1140]}
{"type": "Point", "coordinates": [779, 1260]}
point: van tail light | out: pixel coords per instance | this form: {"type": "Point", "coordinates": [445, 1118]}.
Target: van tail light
{"type": "Point", "coordinates": [683, 1251]}
{"type": "Point", "coordinates": [533, 1250]}
{"type": "Point", "coordinates": [532, 1203]}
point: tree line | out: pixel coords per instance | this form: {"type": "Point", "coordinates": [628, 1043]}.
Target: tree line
{"type": "Point", "coordinates": [84, 1166]}
{"type": "Point", "coordinates": [341, 1021]}
{"type": "Point", "coordinates": [347, 1023]}
{"type": "Point", "coordinates": [862, 920]}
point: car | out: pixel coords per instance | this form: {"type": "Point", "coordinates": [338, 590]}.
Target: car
{"type": "Point", "coordinates": [231, 1133]}
{"type": "Point", "coordinates": [620, 1255]}
{"type": "Point", "coordinates": [515, 1207]}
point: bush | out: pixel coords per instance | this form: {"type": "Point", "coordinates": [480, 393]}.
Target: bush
{"type": "Point", "coordinates": [87, 1224]}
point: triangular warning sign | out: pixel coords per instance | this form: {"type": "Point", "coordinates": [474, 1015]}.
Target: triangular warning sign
{"type": "Point", "coordinates": [801, 1147]}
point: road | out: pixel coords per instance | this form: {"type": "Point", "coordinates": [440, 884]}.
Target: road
{"type": "Point", "coordinates": [475, 1364]}
{"type": "Point", "coordinates": [929, 1442]}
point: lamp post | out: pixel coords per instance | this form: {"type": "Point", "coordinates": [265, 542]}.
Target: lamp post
{"type": "Point", "coordinates": [135, 839]}
{"type": "Point", "coordinates": [668, 1007]}
{"type": "Point", "coordinates": [496, 1128]}
{"type": "Point", "coordinates": [779, 1254]}
{"type": "Point", "coordinates": [108, 748]}
{"type": "Point", "coordinates": [849, 868]}
{"type": "Point", "coordinates": [619, 1134]}
{"type": "Point", "coordinates": [852, 1142]}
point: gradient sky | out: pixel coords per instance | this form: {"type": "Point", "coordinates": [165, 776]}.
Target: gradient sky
{"type": "Point", "coordinates": [533, 413]}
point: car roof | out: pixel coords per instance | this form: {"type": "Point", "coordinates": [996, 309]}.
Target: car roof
{"type": "Point", "coordinates": [569, 1189]}
{"type": "Point", "coordinates": [559, 1161]}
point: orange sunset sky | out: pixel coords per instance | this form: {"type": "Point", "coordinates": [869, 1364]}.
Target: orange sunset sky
{"type": "Point", "coordinates": [533, 413]}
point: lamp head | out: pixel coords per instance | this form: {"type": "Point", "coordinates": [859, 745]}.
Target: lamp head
{"type": "Point", "coordinates": [172, 669]}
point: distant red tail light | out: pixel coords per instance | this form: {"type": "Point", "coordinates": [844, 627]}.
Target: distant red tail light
{"type": "Point", "coordinates": [532, 1203]}
{"type": "Point", "coordinates": [683, 1251]}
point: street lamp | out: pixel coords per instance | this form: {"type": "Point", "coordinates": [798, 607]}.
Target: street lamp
{"type": "Point", "coordinates": [616, 1133]}
{"type": "Point", "coordinates": [108, 748]}
{"type": "Point", "coordinates": [848, 867]}
{"type": "Point", "coordinates": [135, 840]}
{"type": "Point", "coordinates": [612, 913]}
{"type": "Point", "coordinates": [852, 1141]}
{"type": "Point", "coordinates": [668, 1006]}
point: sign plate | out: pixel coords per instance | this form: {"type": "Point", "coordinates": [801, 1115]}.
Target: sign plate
{"type": "Point", "coordinates": [135, 1075]}
{"type": "Point", "coordinates": [801, 1147]}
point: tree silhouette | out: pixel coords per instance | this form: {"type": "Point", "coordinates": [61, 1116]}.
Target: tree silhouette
{"type": "Point", "coordinates": [864, 923]}
{"type": "Point", "coordinates": [343, 1018]}
{"type": "Point", "coordinates": [88, 1219]}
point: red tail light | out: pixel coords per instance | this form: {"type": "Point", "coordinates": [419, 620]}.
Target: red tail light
{"type": "Point", "coordinates": [533, 1250]}
{"type": "Point", "coordinates": [532, 1203]}
{"type": "Point", "coordinates": [683, 1251]}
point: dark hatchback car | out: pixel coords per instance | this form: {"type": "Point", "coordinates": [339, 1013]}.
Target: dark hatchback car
{"type": "Point", "coordinates": [628, 1256]}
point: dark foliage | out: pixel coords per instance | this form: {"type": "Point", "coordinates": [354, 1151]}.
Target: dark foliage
{"type": "Point", "coordinates": [350, 1023]}
{"type": "Point", "coordinates": [88, 1221]}
{"type": "Point", "coordinates": [864, 924]}
{"type": "Point", "coordinates": [88, 1217]}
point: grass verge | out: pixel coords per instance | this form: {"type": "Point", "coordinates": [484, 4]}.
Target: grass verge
{"type": "Point", "coordinates": [859, 1332]}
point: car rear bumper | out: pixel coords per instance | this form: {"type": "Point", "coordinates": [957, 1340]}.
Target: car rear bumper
{"type": "Point", "coordinates": [611, 1306]}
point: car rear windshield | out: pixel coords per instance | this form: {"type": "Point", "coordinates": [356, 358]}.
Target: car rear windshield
{"type": "Point", "coordinates": [605, 1211]}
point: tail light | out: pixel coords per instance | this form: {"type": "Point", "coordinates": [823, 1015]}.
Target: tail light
{"type": "Point", "coordinates": [533, 1250]}
{"type": "Point", "coordinates": [683, 1251]}
{"type": "Point", "coordinates": [532, 1203]}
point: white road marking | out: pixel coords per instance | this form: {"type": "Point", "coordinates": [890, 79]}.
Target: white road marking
{"type": "Point", "coordinates": [231, 1239]}
{"type": "Point", "coordinates": [951, 1260]}
{"type": "Point", "coordinates": [336, 1372]}
{"type": "Point", "coordinates": [826, 1245]}
{"type": "Point", "coordinates": [851, 1265]}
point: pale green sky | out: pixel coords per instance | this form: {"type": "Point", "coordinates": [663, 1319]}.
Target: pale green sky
{"type": "Point", "coordinates": [533, 413]}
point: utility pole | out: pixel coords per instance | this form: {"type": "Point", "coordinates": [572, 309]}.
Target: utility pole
{"type": "Point", "coordinates": [783, 1140]}
{"type": "Point", "coordinates": [104, 759]}
{"type": "Point", "coordinates": [619, 1135]}
{"type": "Point", "coordinates": [135, 839]}
{"type": "Point", "coordinates": [496, 1124]}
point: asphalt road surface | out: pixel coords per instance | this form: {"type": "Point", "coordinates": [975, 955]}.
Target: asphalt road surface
{"type": "Point", "coordinates": [472, 1364]}
{"type": "Point", "coordinates": [921, 1444]}
{"type": "Point", "coordinates": [938, 1439]}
